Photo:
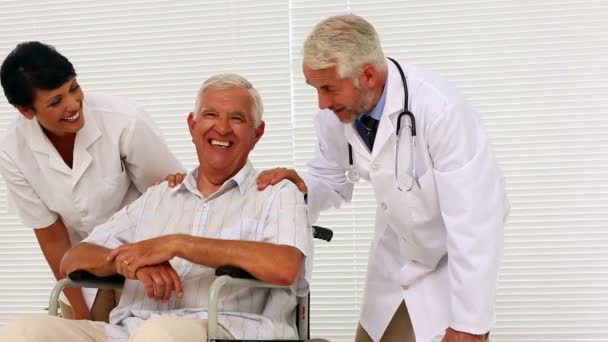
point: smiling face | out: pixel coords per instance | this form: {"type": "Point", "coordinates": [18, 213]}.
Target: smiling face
{"type": "Point", "coordinates": [224, 132]}
{"type": "Point", "coordinates": [58, 111]}
{"type": "Point", "coordinates": [341, 95]}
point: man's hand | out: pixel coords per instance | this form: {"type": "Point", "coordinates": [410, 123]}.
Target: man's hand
{"type": "Point", "coordinates": [129, 258]}
{"type": "Point", "coordinates": [159, 281]}
{"type": "Point", "coordinates": [452, 335]}
{"type": "Point", "coordinates": [273, 176]}
{"type": "Point", "coordinates": [173, 179]}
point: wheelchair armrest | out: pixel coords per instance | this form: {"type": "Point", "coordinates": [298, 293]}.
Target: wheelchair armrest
{"type": "Point", "coordinates": [88, 277]}
{"type": "Point", "coordinates": [234, 272]}
{"type": "Point", "coordinates": [82, 278]}
{"type": "Point", "coordinates": [322, 233]}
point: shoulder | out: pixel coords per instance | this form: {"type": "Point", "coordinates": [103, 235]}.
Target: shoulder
{"type": "Point", "coordinates": [9, 136]}
{"type": "Point", "coordinates": [14, 137]}
{"type": "Point", "coordinates": [155, 194]}
{"type": "Point", "coordinates": [425, 84]}
{"type": "Point", "coordinates": [284, 191]}
{"type": "Point", "coordinates": [432, 95]}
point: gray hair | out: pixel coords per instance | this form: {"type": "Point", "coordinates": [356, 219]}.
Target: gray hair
{"type": "Point", "coordinates": [227, 81]}
{"type": "Point", "coordinates": [346, 41]}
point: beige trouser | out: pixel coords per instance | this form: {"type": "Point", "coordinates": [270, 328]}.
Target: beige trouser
{"type": "Point", "coordinates": [399, 329]}
{"type": "Point", "coordinates": [54, 329]}
{"type": "Point", "coordinates": [105, 301]}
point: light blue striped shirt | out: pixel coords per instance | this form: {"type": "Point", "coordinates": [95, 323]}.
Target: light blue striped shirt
{"type": "Point", "coordinates": [237, 211]}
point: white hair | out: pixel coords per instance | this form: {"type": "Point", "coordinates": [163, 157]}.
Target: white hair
{"type": "Point", "coordinates": [227, 81]}
{"type": "Point", "coordinates": [346, 41]}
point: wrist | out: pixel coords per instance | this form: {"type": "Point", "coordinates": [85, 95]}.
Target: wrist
{"type": "Point", "coordinates": [177, 244]}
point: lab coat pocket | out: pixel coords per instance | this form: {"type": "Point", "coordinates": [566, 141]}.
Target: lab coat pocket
{"type": "Point", "coordinates": [422, 201]}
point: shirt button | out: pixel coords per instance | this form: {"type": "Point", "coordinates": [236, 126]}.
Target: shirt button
{"type": "Point", "coordinates": [384, 206]}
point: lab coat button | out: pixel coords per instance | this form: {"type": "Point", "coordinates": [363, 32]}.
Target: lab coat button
{"type": "Point", "coordinates": [374, 167]}
{"type": "Point", "coordinates": [384, 206]}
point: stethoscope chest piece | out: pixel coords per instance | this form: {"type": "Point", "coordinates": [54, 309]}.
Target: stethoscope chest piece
{"type": "Point", "coordinates": [352, 175]}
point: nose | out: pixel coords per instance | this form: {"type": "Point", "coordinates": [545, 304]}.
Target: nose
{"type": "Point", "coordinates": [73, 104]}
{"type": "Point", "coordinates": [222, 125]}
{"type": "Point", "coordinates": [325, 100]}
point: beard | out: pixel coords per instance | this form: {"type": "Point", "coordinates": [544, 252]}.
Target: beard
{"type": "Point", "coordinates": [365, 102]}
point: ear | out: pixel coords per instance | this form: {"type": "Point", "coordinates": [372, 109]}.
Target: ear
{"type": "Point", "coordinates": [368, 76]}
{"type": "Point", "coordinates": [191, 123]}
{"type": "Point", "coordinates": [259, 132]}
{"type": "Point", "coordinates": [26, 111]}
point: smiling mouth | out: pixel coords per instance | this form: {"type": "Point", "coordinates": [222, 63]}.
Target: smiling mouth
{"type": "Point", "coordinates": [219, 143]}
{"type": "Point", "coordinates": [73, 117]}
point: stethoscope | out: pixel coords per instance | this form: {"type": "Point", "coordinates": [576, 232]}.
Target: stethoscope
{"type": "Point", "coordinates": [353, 176]}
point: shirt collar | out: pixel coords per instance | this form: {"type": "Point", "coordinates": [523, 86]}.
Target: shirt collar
{"type": "Point", "coordinates": [241, 179]}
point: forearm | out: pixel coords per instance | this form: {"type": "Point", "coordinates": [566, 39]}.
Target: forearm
{"type": "Point", "coordinates": [54, 242]}
{"type": "Point", "coordinates": [89, 257]}
{"type": "Point", "coordinates": [275, 264]}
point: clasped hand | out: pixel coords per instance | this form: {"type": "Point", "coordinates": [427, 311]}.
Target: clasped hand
{"type": "Point", "coordinates": [148, 262]}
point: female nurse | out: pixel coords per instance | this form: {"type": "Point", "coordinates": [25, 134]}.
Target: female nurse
{"type": "Point", "coordinates": [70, 161]}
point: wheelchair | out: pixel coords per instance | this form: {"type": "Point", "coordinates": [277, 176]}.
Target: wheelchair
{"type": "Point", "coordinates": [226, 276]}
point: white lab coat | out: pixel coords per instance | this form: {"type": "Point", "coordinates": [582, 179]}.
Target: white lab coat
{"type": "Point", "coordinates": [117, 154]}
{"type": "Point", "coordinates": [437, 247]}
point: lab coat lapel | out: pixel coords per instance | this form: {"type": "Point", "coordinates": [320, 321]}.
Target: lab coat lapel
{"type": "Point", "coordinates": [84, 139]}
{"type": "Point", "coordinates": [392, 107]}
{"type": "Point", "coordinates": [354, 139]}
{"type": "Point", "coordinates": [41, 144]}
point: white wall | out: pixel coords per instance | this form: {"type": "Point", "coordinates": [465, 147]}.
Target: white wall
{"type": "Point", "coordinates": [536, 70]}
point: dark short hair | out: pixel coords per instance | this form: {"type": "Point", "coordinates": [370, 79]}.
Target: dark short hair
{"type": "Point", "coordinates": [31, 66]}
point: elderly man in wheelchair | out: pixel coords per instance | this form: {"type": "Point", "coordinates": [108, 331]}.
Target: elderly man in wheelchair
{"type": "Point", "coordinates": [167, 243]}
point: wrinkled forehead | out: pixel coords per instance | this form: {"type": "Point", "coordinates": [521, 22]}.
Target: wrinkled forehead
{"type": "Point", "coordinates": [227, 99]}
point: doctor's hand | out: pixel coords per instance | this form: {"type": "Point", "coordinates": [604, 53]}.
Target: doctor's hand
{"type": "Point", "coordinates": [160, 281]}
{"type": "Point", "coordinates": [130, 257]}
{"type": "Point", "coordinates": [173, 179]}
{"type": "Point", "coordinates": [273, 176]}
{"type": "Point", "coordinates": [452, 335]}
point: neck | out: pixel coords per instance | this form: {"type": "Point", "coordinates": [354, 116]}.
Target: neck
{"type": "Point", "coordinates": [64, 144]}
{"type": "Point", "coordinates": [63, 139]}
{"type": "Point", "coordinates": [210, 181]}
{"type": "Point", "coordinates": [208, 185]}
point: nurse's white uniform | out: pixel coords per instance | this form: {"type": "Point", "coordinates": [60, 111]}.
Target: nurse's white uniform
{"type": "Point", "coordinates": [118, 153]}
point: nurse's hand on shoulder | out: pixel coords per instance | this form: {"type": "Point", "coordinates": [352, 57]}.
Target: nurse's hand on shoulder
{"type": "Point", "coordinates": [173, 179]}
{"type": "Point", "coordinates": [452, 335]}
{"type": "Point", "coordinates": [273, 176]}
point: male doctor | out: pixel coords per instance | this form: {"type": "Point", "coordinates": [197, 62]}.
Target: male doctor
{"type": "Point", "coordinates": [441, 195]}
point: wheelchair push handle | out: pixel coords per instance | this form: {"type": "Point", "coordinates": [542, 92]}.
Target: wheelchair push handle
{"type": "Point", "coordinates": [322, 233]}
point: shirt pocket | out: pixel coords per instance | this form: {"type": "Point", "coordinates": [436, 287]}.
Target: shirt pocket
{"type": "Point", "coordinates": [115, 185]}
{"type": "Point", "coordinates": [245, 229]}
